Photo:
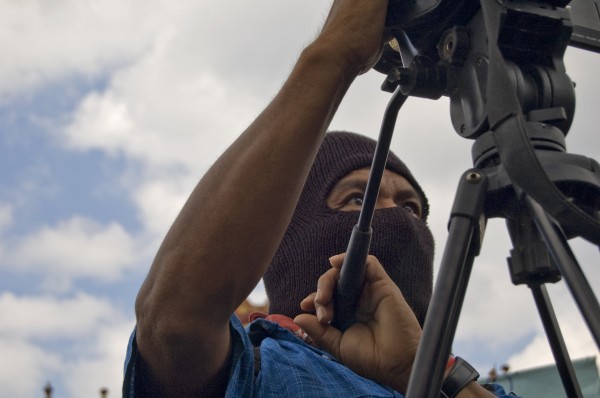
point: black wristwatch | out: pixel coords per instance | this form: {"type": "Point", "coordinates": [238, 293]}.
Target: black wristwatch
{"type": "Point", "coordinates": [461, 374]}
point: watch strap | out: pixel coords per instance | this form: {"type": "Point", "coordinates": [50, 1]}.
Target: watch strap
{"type": "Point", "coordinates": [462, 373]}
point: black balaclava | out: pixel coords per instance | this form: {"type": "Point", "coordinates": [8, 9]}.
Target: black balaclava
{"type": "Point", "coordinates": [402, 243]}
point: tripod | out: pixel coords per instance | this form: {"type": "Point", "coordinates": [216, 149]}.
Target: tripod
{"type": "Point", "coordinates": [509, 91]}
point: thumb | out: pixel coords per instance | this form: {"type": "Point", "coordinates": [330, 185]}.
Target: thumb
{"type": "Point", "coordinates": [325, 336]}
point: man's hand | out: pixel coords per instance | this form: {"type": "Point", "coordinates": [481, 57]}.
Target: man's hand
{"type": "Point", "coordinates": [382, 344]}
{"type": "Point", "coordinates": [355, 30]}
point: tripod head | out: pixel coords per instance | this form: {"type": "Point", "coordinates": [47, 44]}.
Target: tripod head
{"type": "Point", "coordinates": [422, 22]}
{"type": "Point", "coordinates": [503, 71]}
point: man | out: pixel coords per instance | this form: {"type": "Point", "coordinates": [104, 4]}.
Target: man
{"type": "Point", "coordinates": [234, 229]}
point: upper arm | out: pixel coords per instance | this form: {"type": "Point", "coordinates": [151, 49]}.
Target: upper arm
{"type": "Point", "coordinates": [140, 382]}
{"type": "Point", "coordinates": [181, 357]}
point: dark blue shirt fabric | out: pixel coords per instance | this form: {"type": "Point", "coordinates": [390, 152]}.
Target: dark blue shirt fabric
{"type": "Point", "coordinates": [288, 368]}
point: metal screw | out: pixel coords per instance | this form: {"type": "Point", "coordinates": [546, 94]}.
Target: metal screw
{"type": "Point", "coordinates": [473, 177]}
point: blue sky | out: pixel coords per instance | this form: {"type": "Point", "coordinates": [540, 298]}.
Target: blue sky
{"type": "Point", "coordinates": [111, 110]}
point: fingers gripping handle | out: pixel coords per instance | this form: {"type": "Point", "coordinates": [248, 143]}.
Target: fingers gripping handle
{"type": "Point", "coordinates": [352, 274]}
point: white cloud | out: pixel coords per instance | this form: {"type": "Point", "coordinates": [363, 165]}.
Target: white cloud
{"type": "Point", "coordinates": [258, 296]}
{"type": "Point", "coordinates": [26, 368]}
{"type": "Point", "coordinates": [102, 365]}
{"type": "Point", "coordinates": [107, 123]}
{"type": "Point", "coordinates": [188, 95]}
{"type": "Point", "coordinates": [47, 41]}
{"type": "Point", "coordinates": [160, 200]}
{"type": "Point", "coordinates": [49, 318]}
{"type": "Point", "coordinates": [74, 248]}
{"type": "Point", "coordinates": [177, 106]}
{"type": "Point", "coordinates": [92, 333]}
{"type": "Point", "coordinates": [138, 123]}
{"type": "Point", "coordinates": [577, 339]}
{"type": "Point", "coordinates": [6, 216]}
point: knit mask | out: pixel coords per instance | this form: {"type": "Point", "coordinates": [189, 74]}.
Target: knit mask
{"type": "Point", "coordinates": [402, 243]}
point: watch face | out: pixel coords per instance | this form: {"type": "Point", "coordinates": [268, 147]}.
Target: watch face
{"type": "Point", "coordinates": [462, 373]}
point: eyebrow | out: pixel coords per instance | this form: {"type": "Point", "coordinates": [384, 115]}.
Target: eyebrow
{"type": "Point", "coordinates": [354, 183]}
{"type": "Point", "coordinates": [409, 192]}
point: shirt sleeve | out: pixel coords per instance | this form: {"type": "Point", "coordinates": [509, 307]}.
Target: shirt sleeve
{"type": "Point", "coordinates": [241, 374]}
{"type": "Point", "coordinates": [129, 370]}
{"type": "Point", "coordinates": [499, 391]}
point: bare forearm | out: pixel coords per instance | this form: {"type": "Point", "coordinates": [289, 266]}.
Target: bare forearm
{"type": "Point", "coordinates": [226, 234]}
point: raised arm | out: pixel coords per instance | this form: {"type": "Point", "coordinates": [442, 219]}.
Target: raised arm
{"type": "Point", "coordinates": [226, 234]}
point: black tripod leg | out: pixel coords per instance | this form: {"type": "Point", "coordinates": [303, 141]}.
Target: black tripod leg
{"type": "Point", "coordinates": [531, 264]}
{"type": "Point", "coordinates": [569, 268]}
{"type": "Point", "coordinates": [557, 343]}
{"type": "Point", "coordinates": [462, 246]}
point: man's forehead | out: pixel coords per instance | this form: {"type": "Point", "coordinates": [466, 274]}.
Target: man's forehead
{"type": "Point", "coordinates": [364, 172]}
{"type": "Point", "coordinates": [358, 178]}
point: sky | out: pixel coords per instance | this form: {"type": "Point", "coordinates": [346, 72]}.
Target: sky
{"type": "Point", "coordinates": [110, 112]}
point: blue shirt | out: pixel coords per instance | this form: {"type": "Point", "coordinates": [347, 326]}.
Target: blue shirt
{"type": "Point", "coordinates": [288, 368]}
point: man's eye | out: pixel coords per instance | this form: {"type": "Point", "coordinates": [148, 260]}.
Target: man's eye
{"type": "Point", "coordinates": [412, 208]}
{"type": "Point", "coordinates": [355, 201]}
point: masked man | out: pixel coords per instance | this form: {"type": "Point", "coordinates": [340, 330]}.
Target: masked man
{"type": "Point", "coordinates": [280, 203]}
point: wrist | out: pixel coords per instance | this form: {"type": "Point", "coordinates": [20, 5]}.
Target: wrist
{"type": "Point", "coordinates": [458, 375]}
{"type": "Point", "coordinates": [329, 52]}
